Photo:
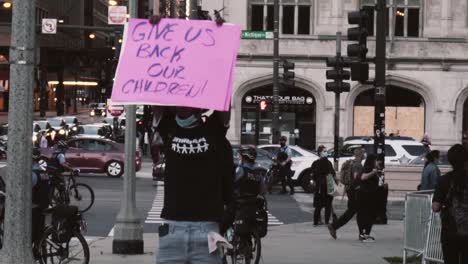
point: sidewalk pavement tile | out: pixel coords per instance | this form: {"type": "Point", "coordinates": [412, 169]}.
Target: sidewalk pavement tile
{"type": "Point", "coordinates": [291, 244]}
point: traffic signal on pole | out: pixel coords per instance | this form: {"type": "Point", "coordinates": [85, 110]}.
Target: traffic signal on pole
{"type": "Point", "coordinates": [338, 74]}
{"type": "Point", "coordinates": [263, 105]}
{"type": "Point", "coordinates": [358, 51]}
{"type": "Point", "coordinates": [288, 72]}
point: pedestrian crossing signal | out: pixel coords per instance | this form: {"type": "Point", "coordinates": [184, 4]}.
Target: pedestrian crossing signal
{"type": "Point", "coordinates": [263, 105]}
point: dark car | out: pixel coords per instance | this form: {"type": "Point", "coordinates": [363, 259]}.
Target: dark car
{"type": "Point", "coordinates": [93, 155]}
{"type": "Point", "coordinates": [264, 160]}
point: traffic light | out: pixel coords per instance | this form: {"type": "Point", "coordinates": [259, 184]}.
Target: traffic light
{"type": "Point", "coordinates": [358, 51]}
{"type": "Point", "coordinates": [288, 72]}
{"type": "Point", "coordinates": [263, 105]}
{"type": "Point", "coordinates": [338, 74]}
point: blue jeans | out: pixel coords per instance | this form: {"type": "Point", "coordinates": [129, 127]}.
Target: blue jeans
{"type": "Point", "coordinates": [187, 243]}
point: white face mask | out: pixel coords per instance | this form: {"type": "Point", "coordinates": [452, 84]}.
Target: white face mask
{"type": "Point", "coordinates": [324, 154]}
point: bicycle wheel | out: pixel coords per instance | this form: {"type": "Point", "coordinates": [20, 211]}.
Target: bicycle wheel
{"type": "Point", "coordinates": [58, 195]}
{"type": "Point", "coordinates": [82, 196]}
{"type": "Point", "coordinates": [246, 250]}
{"type": "Point", "coordinates": [54, 251]}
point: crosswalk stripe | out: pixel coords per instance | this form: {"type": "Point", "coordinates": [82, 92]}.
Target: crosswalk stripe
{"type": "Point", "coordinates": [154, 215]}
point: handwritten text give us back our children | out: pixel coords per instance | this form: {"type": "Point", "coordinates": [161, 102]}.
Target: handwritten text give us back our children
{"type": "Point", "coordinates": [177, 62]}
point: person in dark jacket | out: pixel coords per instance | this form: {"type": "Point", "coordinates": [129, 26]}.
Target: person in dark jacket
{"type": "Point", "coordinates": [367, 184]}
{"type": "Point", "coordinates": [321, 168]}
{"type": "Point", "coordinates": [452, 187]}
{"type": "Point", "coordinates": [431, 172]}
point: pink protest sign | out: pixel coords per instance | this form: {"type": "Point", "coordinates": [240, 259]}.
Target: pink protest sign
{"type": "Point", "coordinates": [177, 62]}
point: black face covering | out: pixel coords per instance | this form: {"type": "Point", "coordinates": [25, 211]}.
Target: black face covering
{"type": "Point", "coordinates": [282, 144]}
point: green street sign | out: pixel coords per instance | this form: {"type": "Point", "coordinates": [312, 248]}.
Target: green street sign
{"type": "Point", "coordinates": [257, 34]}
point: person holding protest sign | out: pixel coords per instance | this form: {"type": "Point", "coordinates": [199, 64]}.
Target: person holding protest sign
{"type": "Point", "coordinates": [198, 182]}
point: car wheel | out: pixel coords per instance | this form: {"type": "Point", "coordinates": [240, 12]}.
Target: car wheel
{"type": "Point", "coordinates": [114, 169]}
{"type": "Point", "coordinates": [305, 181]}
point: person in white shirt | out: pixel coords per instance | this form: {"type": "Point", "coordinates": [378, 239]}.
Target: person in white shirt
{"type": "Point", "coordinates": [44, 143]}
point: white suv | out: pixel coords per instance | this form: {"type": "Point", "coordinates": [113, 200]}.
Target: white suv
{"type": "Point", "coordinates": [398, 150]}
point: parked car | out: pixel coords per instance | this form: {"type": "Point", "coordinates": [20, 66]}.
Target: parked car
{"type": "Point", "coordinates": [93, 155]}
{"type": "Point", "coordinates": [302, 160]}
{"type": "Point", "coordinates": [98, 109]}
{"type": "Point", "coordinates": [398, 150]}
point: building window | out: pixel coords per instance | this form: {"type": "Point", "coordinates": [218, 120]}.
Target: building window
{"type": "Point", "coordinates": [295, 16]}
{"type": "Point", "coordinates": [405, 18]}
{"type": "Point", "coordinates": [288, 20]}
{"type": "Point", "coordinates": [257, 18]}
{"type": "Point", "coordinates": [304, 20]}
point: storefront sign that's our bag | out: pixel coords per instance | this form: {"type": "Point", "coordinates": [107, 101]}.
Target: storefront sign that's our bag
{"type": "Point", "coordinates": [177, 62]}
{"type": "Point", "coordinates": [282, 99]}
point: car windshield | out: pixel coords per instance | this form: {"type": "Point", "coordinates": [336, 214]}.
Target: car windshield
{"type": "Point", "coordinates": [415, 150]}
{"type": "Point", "coordinates": [42, 124]}
{"type": "Point", "coordinates": [55, 122]}
{"type": "Point", "coordinates": [421, 160]}
{"type": "Point", "coordinates": [69, 119]}
{"type": "Point", "coordinates": [101, 105]}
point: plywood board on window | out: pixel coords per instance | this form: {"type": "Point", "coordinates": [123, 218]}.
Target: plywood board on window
{"type": "Point", "coordinates": [405, 121]}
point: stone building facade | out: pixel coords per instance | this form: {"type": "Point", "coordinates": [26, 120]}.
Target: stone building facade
{"type": "Point", "coordinates": [427, 50]}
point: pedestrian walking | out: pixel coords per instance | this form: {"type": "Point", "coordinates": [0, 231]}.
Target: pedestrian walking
{"type": "Point", "coordinates": [285, 163]}
{"type": "Point", "coordinates": [323, 175]}
{"type": "Point", "coordinates": [451, 199]}
{"type": "Point", "coordinates": [431, 172]}
{"type": "Point", "coordinates": [348, 171]}
{"type": "Point", "coordinates": [368, 181]}
{"type": "Point", "coordinates": [426, 142]}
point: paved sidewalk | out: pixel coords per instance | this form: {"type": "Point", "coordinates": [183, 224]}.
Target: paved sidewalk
{"type": "Point", "coordinates": [291, 244]}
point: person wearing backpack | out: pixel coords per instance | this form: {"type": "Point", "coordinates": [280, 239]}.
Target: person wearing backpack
{"type": "Point", "coordinates": [322, 173]}
{"type": "Point", "coordinates": [348, 170]}
{"type": "Point", "coordinates": [451, 200]}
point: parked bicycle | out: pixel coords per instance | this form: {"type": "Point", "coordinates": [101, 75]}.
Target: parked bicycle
{"type": "Point", "coordinates": [250, 225]}
{"type": "Point", "coordinates": [66, 191]}
{"type": "Point", "coordinates": [62, 240]}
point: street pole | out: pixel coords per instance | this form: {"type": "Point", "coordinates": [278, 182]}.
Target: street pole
{"type": "Point", "coordinates": [128, 231]}
{"type": "Point", "coordinates": [380, 61]}
{"type": "Point", "coordinates": [17, 222]}
{"type": "Point", "coordinates": [337, 107]}
{"type": "Point", "coordinates": [193, 9]}
{"type": "Point", "coordinates": [275, 123]}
